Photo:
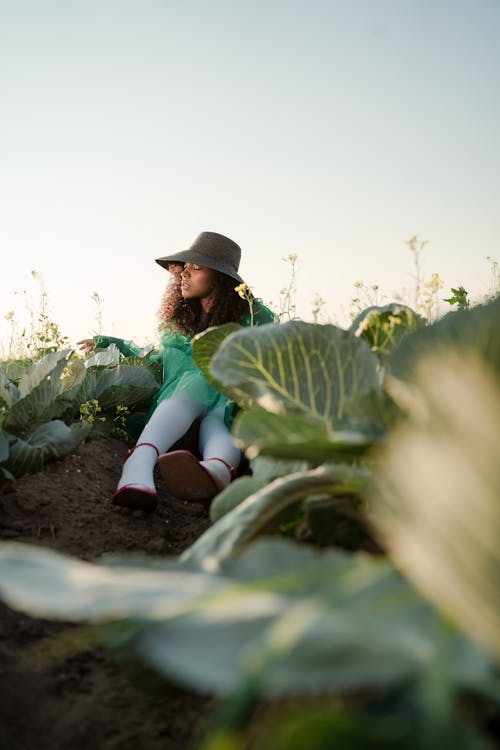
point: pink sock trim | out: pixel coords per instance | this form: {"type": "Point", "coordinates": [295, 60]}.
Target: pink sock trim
{"type": "Point", "coordinates": [138, 445]}
{"type": "Point", "coordinates": [232, 470]}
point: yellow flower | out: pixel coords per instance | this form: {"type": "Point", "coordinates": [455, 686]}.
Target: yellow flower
{"type": "Point", "coordinates": [243, 290]}
{"type": "Point", "coordinates": [436, 281]}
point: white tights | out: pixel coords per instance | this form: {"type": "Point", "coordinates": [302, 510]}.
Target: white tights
{"type": "Point", "coordinates": [169, 422]}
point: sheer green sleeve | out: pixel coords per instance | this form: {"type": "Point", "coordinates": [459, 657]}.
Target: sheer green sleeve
{"type": "Point", "coordinates": [127, 348]}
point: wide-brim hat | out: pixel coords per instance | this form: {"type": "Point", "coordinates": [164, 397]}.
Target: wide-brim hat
{"type": "Point", "coordinates": [211, 250]}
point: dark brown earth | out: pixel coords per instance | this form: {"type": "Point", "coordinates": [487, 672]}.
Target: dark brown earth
{"type": "Point", "coordinates": [85, 701]}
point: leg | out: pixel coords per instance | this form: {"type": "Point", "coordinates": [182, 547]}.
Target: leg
{"type": "Point", "coordinates": [218, 447]}
{"type": "Point", "coordinates": [199, 481]}
{"type": "Point", "coordinates": [169, 421]}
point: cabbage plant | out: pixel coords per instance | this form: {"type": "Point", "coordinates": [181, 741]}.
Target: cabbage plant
{"type": "Point", "coordinates": [40, 404]}
{"type": "Point", "coordinates": [384, 327]}
{"type": "Point", "coordinates": [309, 394]}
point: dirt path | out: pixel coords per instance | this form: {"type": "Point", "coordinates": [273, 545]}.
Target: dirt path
{"type": "Point", "coordinates": [85, 701]}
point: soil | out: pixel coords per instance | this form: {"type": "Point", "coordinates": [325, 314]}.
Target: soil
{"type": "Point", "coordinates": [85, 701]}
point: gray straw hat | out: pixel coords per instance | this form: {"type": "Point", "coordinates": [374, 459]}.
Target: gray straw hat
{"type": "Point", "coordinates": [211, 250]}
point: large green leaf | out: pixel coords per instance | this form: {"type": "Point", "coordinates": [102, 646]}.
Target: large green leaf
{"type": "Point", "coordinates": [45, 372]}
{"type": "Point", "coordinates": [81, 390]}
{"type": "Point", "coordinates": [77, 385]}
{"type": "Point", "coordinates": [80, 431]}
{"type": "Point", "coordinates": [233, 495]}
{"type": "Point", "coordinates": [297, 367]}
{"type": "Point", "coordinates": [14, 371]}
{"type": "Point", "coordinates": [47, 583]}
{"type": "Point", "coordinates": [297, 436]}
{"type": "Point", "coordinates": [267, 469]}
{"type": "Point", "coordinates": [142, 356]}
{"type": "Point", "coordinates": [264, 471]}
{"type": "Point", "coordinates": [467, 330]}
{"type": "Point", "coordinates": [264, 510]}
{"type": "Point", "coordinates": [438, 500]}
{"type": "Point", "coordinates": [73, 376]}
{"type": "Point", "coordinates": [9, 392]}
{"type": "Point", "coordinates": [206, 344]}
{"type": "Point", "coordinates": [299, 630]}
{"type": "Point", "coordinates": [283, 616]}
{"type": "Point", "coordinates": [52, 440]}
{"type": "Point", "coordinates": [4, 447]}
{"type": "Point", "coordinates": [379, 723]}
{"type": "Point", "coordinates": [125, 384]}
{"type": "Point", "coordinates": [104, 357]}
{"type": "Point", "coordinates": [38, 389]}
{"type": "Point", "coordinates": [154, 367]}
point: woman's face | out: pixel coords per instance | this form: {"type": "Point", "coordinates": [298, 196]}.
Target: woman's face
{"type": "Point", "coordinates": [197, 282]}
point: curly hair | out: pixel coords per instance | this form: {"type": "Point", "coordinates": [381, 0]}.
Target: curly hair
{"type": "Point", "coordinates": [186, 315]}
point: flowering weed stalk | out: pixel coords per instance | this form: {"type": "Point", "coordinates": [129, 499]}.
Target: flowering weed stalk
{"type": "Point", "coordinates": [41, 336]}
{"type": "Point", "coordinates": [366, 296]}
{"type": "Point", "coordinates": [425, 299]}
{"type": "Point", "coordinates": [494, 290]}
{"type": "Point", "coordinates": [96, 297]}
{"type": "Point", "coordinates": [245, 292]}
{"type": "Point", "coordinates": [119, 422]}
{"type": "Point", "coordinates": [318, 304]}
{"type": "Point", "coordinates": [287, 304]}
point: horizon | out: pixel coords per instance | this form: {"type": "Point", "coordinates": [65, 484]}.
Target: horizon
{"type": "Point", "coordinates": [333, 130]}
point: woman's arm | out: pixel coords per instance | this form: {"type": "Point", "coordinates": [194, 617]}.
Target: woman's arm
{"type": "Point", "coordinates": [127, 348]}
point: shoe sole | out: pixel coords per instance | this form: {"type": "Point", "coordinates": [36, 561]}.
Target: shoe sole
{"type": "Point", "coordinates": [129, 497]}
{"type": "Point", "coordinates": [186, 479]}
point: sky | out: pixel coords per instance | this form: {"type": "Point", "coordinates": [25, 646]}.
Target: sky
{"type": "Point", "coordinates": [330, 129]}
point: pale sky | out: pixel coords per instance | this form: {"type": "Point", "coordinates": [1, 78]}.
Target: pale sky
{"type": "Point", "coordinates": [333, 129]}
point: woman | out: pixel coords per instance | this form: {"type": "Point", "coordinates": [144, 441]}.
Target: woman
{"type": "Point", "coordinates": [202, 293]}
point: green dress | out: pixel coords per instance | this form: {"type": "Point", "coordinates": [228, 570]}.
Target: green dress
{"type": "Point", "coordinates": [179, 370]}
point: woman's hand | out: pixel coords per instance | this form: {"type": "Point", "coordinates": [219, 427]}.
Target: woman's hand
{"type": "Point", "coordinates": [86, 345]}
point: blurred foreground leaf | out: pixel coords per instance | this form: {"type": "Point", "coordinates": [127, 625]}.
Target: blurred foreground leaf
{"type": "Point", "coordinates": [286, 618]}
{"type": "Point", "coordinates": [438, 499]}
